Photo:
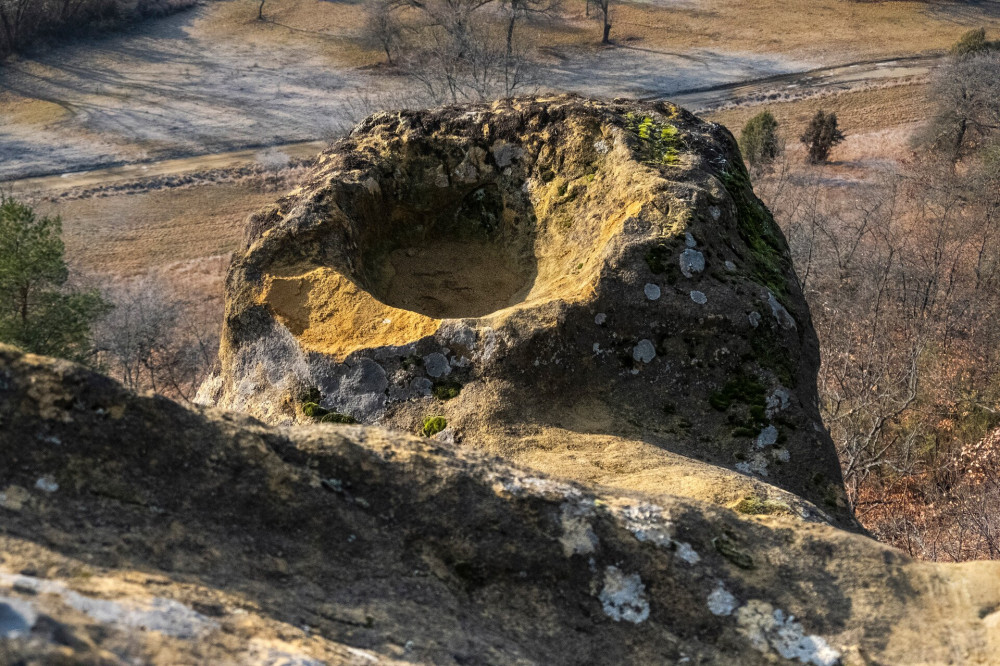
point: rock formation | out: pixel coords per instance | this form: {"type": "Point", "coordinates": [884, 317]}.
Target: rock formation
{"type": "Point", "coordinates": [590, 290]}
{"type": "Point", "coordinates": [585, 287]}
{"type": "Point", "coordinates": [139, 531]}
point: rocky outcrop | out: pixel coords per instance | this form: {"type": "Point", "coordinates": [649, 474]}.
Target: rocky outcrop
{"type": "Point", "coordinates": [589, 288]}
{"type": "Point", "coordinates": [138, 531]}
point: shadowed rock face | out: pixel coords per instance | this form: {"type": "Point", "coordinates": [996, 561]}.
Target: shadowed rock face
{"type": "Point", "coordinates": [138, 531]}
{"type": "Point", "coordinates": [590, 288]}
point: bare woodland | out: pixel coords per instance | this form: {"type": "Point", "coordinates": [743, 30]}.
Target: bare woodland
{"type": "Point", "coordinates": [24, 22]}
{"type": "Point", "coordinates": [902, 274]}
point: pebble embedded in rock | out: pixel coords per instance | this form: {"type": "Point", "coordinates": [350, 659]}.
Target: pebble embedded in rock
{"type": "Point", "coordinates": [699, 297]}
{"type": "Point", "coordinates": [652, 291]}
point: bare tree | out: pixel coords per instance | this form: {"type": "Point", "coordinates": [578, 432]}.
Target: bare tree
{"type": "Point", "coordinates": [14, 17]}
{"type": "Point", "coordinates": [522, 10]}
{"type": "Point", "coordinates": [467, 63]}
{"type": "Point", "coordinates": [150, 341]}
{"type": "Point", "coordinates": [604, 13]}
{"type": "Point", "coordinates": [967, 113]}
{"type": "Point", "coordinates": [381, 28]}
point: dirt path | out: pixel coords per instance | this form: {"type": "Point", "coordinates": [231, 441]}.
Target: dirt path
{"type": "Point", "coordinates": [823, 80]}
{"type": "Point", "coordinates": [760, 90]}
{"type": "Point", "coordinates": [201, 90]}
{"type": "Point", "coordinates": [177, 86]}
{"type": "Point", "coordinates": [134, 172]}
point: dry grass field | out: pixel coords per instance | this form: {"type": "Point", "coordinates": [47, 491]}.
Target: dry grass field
{"type": "Point", "coordinates": [216, 79]}
{"type": "Point", "coordinates": [128, 234]}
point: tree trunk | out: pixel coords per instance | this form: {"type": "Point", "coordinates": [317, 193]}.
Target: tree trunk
{"type": "Point", "coordinates": [24, 305]}
{"type": "Point", "coordinates": [607, 31]}
{"type": "Point", "coordinates": [260, 10]}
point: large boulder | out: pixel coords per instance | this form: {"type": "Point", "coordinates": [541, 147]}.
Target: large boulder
{"type": "Point", "coordinates": [590, 288]}
{"type": "Point", "coordinates": [137, 531]}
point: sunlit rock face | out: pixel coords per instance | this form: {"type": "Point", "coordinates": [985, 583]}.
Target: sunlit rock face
{"type": "Point", "coordinates": [588, 287]}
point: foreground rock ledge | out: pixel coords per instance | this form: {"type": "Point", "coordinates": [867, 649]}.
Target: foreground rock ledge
{"type": "Point", "coordinates": [136, 530]}
{"type": "Point", "coordinates": [589, 288]}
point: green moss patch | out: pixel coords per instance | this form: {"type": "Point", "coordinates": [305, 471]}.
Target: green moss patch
{"type": "Point", "coordinates": [770, 261]}
{"type": "Point", "coordinates": [760, 506]}
{"type": "Point", "coordinates": [741, 389]}
{"type": "Point", "coordinates": [323, 415]}
{"type": "Point", "coordinates": [446, 389]}
{"type": "Point", "coordinates": [659, 143]}
{"type": "Point", "coordinates": [433, 425]}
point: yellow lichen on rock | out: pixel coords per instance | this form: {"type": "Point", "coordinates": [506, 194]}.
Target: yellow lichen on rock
{"type": "Point", "coordinates": [330, 314]}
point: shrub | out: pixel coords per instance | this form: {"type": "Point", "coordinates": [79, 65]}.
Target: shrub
{"type": "Point", "coordinates": [821, 136]}
{"type": "Point", "coordinates": [759, 141]}
{"type": "Point", "coordinates": [974, 41]}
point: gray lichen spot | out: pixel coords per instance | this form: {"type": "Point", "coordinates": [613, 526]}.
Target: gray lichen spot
{"type": "Point", "coordinates": [777, 401]}
{"type": "Point", "coordinates": [730, 266]}
{"type": "Point", "coordinates": [715, 212]}
{"type": "Point", "coordinates": [466, 171]}
{"type": "Point", "coordinates": [355, 387]}
{"type": "Point", "coordinates": [689, 239]}
{"type": "Point", "coordinates": [457, 333]}
{"type": "Point", "coordinates": [687, 553]}
{"type": "Point", "coordinates": [644, 351]}
{"type": "Point", "coordinates": [699, 297]}
{"type": "Point", "coordinates": [624, 596]}
{"type": "Point", "coordinates": [440, 177]}
{"type": "Point", "coordinates": [780, 313]}
{"type": "Point", "coordinates": [754, 318]}
{"type": "Point", "coordinates": [652, 291]}
{"type": "Point", "coordinates": [153, 614]}
{"type": "Point", "coordinates": [505, 153]}
{"type": "Point", "coordinates": [577, 537]}
{"type": "Point", "coordinates": [601, 147]}
{"type": "Point", "coordinates": [422, 385]}
{"type": "Point", "coordinates": [47, 484]}
{"type": "Point", "coordinates": [692, 261]}
{"type": "Point", "coordinates": [16, 618]}
{"type": "Point", "coordinates": [767, 437]}
{"type": "Point", "coordinates": [600, 319]}
{"type": "Point", "coordinates": [436, 364]}
{"type": "Point", "coordinates": [770, 628]}
{"type": "Point", "coordinates": [648, 524]}
{"type": "Point", "coordinates": [721, 602]}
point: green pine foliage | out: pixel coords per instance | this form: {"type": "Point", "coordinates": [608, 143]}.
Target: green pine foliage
{"type": "Point", "coordinates": [759, 141]}
{"type": "Point", "coordinates": [38, 313]}
{"type": "Point", "coordinates": [821, 136]}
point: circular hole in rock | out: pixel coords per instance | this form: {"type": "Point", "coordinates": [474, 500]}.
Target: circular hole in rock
{"type": "Point", "coordinates": [452, 253]}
